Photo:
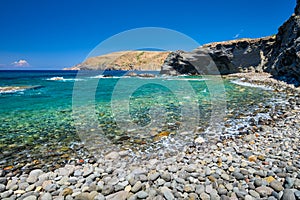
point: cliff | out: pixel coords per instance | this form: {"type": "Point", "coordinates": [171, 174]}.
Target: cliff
{"type": "Point", "coordinates": [278, 55]}
{"type": "Point", "coordinates": [284, 60]}
{"type": "Point", "coordinates": [124, 60]}
{"type": "Point", "coordinates": [233, 56]}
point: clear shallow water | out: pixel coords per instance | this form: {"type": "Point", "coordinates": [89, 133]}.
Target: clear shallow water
{"type": "Point", "coordinates": [37, 120]}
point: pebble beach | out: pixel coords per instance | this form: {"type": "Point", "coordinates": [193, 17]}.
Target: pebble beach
{"type": "Point", "coordinates": [262, 162]}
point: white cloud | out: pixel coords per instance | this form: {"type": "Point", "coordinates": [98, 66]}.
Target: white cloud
{"type": "Point", "coordinates": [238, 34]}
{"type": "Point", "coordinates": [20, 63]}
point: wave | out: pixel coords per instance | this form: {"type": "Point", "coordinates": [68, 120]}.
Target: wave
{"type": "Point", "coordinates": [105, 76]}
{"type": "Point", "coordinates": [59, 78]}
{"type": "Point", "coordinates": [247, 84]}
{"type": "Point", "coordinates": [15, 89]}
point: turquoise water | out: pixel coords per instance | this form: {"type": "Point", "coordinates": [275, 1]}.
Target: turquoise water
{"type": "Point", "coordinates": [39, 121]}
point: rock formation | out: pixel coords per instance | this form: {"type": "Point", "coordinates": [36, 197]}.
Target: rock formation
{"type": "Point", "coordinates": [230, 57]}
{"type": "Point", "coordinates": [124, 60]}
{"type": "Point", "coordinates": [284, 59]}
{"type": "Point", "coordinates": [278, 55]}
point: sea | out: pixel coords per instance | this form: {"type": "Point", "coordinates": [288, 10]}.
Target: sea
{"type": "Point", "coordinates": [49, 116]}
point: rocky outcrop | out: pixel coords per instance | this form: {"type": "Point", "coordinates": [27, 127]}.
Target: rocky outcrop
{"type": "Point", "coordinates": [124, 60]}
{"type": "Point", "coordinates": [284, 60]}
{"type": "Point", "coordinates": [234, 56]}
{"type": "Point", "coordinates": [278, 55]}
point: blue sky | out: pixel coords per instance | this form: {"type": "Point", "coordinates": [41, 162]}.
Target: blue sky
{"type": "Point", "coordinates": [53, 34]}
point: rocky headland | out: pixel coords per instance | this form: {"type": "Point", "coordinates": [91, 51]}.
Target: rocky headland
{"type": "Point", "coordinates": [278, 55]}
{"type": "Point", "coordinates": [124, 60]}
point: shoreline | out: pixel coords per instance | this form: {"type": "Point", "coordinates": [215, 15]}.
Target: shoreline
{"type": "Point", "coordinates": [262, 164]}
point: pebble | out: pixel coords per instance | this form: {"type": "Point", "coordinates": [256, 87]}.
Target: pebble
{"type": "Point", "coordinates": [264, 191]}
{"type": "Point", "coordinates": [137, 187]}
{"type": "Point", "coordinates": [238, 175]}
{"type": "Point", "coordinates": [153, 176]}
{"type": "Point", "coordinates": [288, 194]}
{"type": "Point", "coordinates": [204, 196]}
{"type": "Point", "coordinates": [276, 185]}
{"type": "Point", "coordinates": [46, 196]}
{"type": "Point", "coordinates": [112, 156]}
{"type": "Point", "coordinates": [2, 187]}
{"type": "Point", "coordinates": [289, 182]}
{"type": "Point", "coordinates": [258, 182]}
{"type": "Point", "coordinates": [87, 170]}
{"type": "Point", "coordinates": [121, 195]}
{"type": "Point", "coordinates": [166, 176]}
{"type": "Point", "coordinates": [167, 193]}
{"type": "Point", "coordinates": [31, 197]}
{"type": "Point", "coordinates": [142, 194]}
{"type": "Point", "coordinates": [297, 194]}
{"type": "Point", "coordinates": [254, 193]}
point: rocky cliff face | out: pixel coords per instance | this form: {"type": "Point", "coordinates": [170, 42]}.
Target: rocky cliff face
{"type": "Point", "coordinates": [284, 60]}
{"type": "Point", "coordinates": [230, 57]}
{"type": "Point", "coordinates": [278, 55]}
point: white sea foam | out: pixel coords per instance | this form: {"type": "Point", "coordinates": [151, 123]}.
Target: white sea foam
{"type": "Point", "coordinates": [246, 84]}
{"type": "Point", "coordinates": [15, 89]}
{"type": "Point", "coordinates": [103, 76]}
{"type": "Point", "coordinates": [59, 78]}
{"type": "Point", "coordinates": [10, 89]}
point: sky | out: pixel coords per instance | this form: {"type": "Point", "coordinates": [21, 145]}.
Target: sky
{"type": "Point", "coordinates": [53, 34]}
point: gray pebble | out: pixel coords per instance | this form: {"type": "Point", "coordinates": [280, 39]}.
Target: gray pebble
{"type": "Point", "coordinates": [31, 197]}
{"type": "Point", "coordinates": [238, 175]}
{"type": "Point", "coordinates": [7, 193]}
{"type": "Point", "coordinates": [166, 176]}
{"type": "Point", "coordinates": [3, 180]}
{"type": "Point", "coordinates": [258, 182]}
{"type": "Point", "coordinates": [288, 194]}
{"type": "Point", "coordinates": [264, 191]}
{"type": "Point", "coordinates": [204, 196]}
{"type": "Point", "coordinates": [248, 197]}
{"type": "Point", "coordinates": [107, 189]}
{"type": "Point", "coordinates": [208, 189]}
{"type": "Point", "coordinates": [137, 187]}
{"type": "Point", "coordinates": [276, 185]}
{"type": "Point", "coordinates": [87, 170]}
{"type": "Point", "coordinates": [2, 187]}
{"type": "Point", "coordinates": [142, 194]}
{"type": "Point", "coordinates": [153, 176]}
{"type": "Point", "coordinates": [289, 182]}
{"type": "Point", "coordinates": [297, 194]}
{"type": "Point", "coordinates": [167, 193]}
{"type": "Point", "coordinates": [99, 197]}
{"type": "Point", "coordinates": [199, 189]}
{"type": "Point", "coordinates": [46, 196]}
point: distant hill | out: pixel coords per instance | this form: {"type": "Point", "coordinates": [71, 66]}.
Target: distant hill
{"type": "Point", "coordinates": [125, 60]}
